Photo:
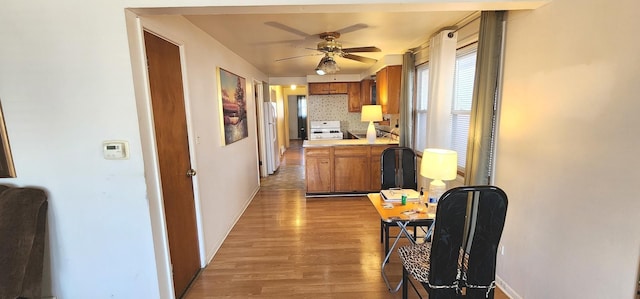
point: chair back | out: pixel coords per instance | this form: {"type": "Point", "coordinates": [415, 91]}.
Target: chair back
{"type": "Point", "coordinates": [398, 168]}
{"type": "Point", "coordinates": [467, 230]}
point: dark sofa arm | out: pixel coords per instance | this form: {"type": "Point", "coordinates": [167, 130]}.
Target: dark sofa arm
{"type": "Point", "coordinates": [23, 214]}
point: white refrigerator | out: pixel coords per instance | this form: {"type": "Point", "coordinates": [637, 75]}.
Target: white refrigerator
{"type": "Point", "coordinates": [271, 134]}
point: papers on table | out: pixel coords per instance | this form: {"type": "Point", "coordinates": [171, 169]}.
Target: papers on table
{"type": "Point", "coordinates": [395, 195]}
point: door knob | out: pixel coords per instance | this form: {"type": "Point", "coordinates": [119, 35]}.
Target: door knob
{"type": "Point", "coordinates": [191, 172]}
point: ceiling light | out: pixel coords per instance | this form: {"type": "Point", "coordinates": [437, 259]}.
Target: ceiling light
{"type": "Point", "coordinates": [327, 66]}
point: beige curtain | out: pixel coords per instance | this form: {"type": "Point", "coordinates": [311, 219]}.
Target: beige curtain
{"type": "Point", "coordinates": [485, 96]}
{"type": "Point", "coordinates": [406, 100]}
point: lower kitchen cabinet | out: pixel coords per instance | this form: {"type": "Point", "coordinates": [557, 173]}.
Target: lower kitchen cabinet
{"type": "Point", "coordinates": [343, 169]}
{"type": "Point", "coordinates": [351, 169]}
{"type": "Point", "coordinates": [318, 169]}
{"type": "Point", "coordinates": [376, 172]}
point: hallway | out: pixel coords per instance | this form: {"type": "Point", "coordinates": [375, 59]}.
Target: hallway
{"type": "Point", "coordinates": [290, 174]}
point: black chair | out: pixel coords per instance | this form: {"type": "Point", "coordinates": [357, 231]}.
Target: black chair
{"type": "Point", "coordinates": [460, 261]}
{"type": "Point", "coordinates": [398, 170]}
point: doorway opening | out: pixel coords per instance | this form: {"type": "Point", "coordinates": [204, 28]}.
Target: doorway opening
{"type": "Point", "coordinates": [302, 117]}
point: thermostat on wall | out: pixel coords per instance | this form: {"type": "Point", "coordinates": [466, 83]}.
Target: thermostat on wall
{"type": "Point", "coordinates": [115, 149]}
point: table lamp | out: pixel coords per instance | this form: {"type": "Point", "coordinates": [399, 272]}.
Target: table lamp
{"type": "Point", "coordinates": [371, 113]}
{"type": "Point", "coordinates": [438, 165]}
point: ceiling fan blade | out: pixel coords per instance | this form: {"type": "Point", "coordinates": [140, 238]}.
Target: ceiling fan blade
{"type": "Point", "coordinates": [290, 41]}
{"type": "Point", "coordinates": [352, 28]}
{"type": "Point", "coordinates": [300, 56]}
{"type": "Point", "coordinates": [361, 49]}
{"type": "Point", "coordinates": [359, 58]}
{"type": "Point", "coordinates": [287, 29]}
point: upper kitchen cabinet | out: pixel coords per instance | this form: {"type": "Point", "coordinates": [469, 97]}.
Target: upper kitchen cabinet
{"type": "Point", "coordinates": [355, 97]}
{"type": "Point", "coordinates": [365, 92]}
{"type": "Point", "coordinates": [359, 94]}
{"type": "Point", "coordinates": [388, 88]}
{"type": "Point", "coordinates": [328, 88]}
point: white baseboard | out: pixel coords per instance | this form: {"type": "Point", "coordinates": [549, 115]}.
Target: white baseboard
{"type": "Point", "coordinates": [507, 289]}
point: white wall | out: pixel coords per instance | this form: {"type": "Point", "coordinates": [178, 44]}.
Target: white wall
{"type": "Point", "coordinates": [568, 150]}
{"type": "Point", "coordinates": [66, 86]}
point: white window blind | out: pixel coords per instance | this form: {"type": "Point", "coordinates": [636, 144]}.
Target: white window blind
{"type": "Point", "coordinates": [462, 99]}
{"type": "Point", "coordinates": [422, 101]}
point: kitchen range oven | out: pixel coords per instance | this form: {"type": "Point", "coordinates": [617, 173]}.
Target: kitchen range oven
{"type": "Point", "coordinates": [326, 129]}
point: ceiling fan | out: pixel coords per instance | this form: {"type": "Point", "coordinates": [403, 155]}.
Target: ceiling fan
{"type": "Point", "coordinates": [331, 48]}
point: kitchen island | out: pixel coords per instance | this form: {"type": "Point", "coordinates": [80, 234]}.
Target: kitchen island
{"type": "Point", "coordinates": [343, 167]}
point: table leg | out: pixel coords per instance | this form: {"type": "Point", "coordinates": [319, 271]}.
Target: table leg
{"type": "Point", "coordinates": [403, 230]}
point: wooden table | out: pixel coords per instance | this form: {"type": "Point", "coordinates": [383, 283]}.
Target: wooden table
{"type": "Point", "coordinates": [402, 215]}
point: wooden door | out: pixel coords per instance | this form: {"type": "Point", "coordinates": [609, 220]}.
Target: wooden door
{"type": "Point", "coordinates": [167, 99]}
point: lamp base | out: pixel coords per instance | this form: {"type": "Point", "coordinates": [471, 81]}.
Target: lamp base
{"type": "Point", "coordinates": [436, 189]}
{"type": "Point", "coordinates": [371, 133]}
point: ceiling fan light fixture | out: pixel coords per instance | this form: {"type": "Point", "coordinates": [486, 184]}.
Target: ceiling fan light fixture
{"type": "Point", "coordinates": [327, 66]}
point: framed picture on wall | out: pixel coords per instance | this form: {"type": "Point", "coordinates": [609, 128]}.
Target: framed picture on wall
{"type": "Point", "coordinates": [233, 104]}
{"type": "Point", "coordinates": [6, 161]}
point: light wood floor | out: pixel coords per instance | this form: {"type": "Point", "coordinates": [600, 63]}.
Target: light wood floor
{"type": "Point", "coordinates": [289, 246]}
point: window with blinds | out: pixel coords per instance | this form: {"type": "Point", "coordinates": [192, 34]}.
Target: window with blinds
{"type": "Point", "coordinates": [462, 98]}
{"type": "Point", "coordinates": [422, 101]}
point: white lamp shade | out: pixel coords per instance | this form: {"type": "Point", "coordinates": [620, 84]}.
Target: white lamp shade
{"type": "Point", "coordinates": [439, 164]}
{"type": "Point", "coordinates": [371, 113]}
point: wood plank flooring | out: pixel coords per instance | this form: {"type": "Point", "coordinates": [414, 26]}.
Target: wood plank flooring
{"type": "Point", "coordinates": [289, 246]}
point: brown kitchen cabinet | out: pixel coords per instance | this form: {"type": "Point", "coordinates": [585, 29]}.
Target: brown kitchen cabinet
{"type": "Point", "coordinates": [351, 169]}
{"type": "Point", "coordinates": [365, 92]}
{"type": "Point", "coordinates": [318, 169]}
{"type": "Point", "coordinates": [328, 88]}
{"type": "Point", "coordinates": [376, 170]}
{"type": "Point", "coordinates": [388, 88]}
{"type": "Point", "coordinates": [355, 100]}
{"type": "Point", "coordinates": [343, 169]}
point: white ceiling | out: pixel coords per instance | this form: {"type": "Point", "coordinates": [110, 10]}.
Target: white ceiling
{"type": "Point", "coordinates": [262, 39]}
{"type": "Point", "coordinates": [263, 34]}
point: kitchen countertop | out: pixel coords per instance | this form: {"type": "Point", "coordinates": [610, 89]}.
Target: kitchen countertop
{"type": "Point", "coordinates": [343, 142]}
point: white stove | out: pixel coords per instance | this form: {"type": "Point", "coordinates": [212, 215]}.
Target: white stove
{"type": "Point", "coordinates": [325, 129]}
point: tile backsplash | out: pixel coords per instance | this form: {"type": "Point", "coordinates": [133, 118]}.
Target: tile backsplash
{"type": "Point", "coordinates": [334, 107]}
